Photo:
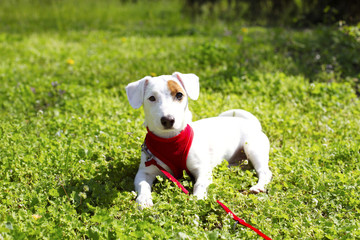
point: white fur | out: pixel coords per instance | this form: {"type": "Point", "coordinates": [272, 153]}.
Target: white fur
{"type": "Point", "coordinates": [229, 136]}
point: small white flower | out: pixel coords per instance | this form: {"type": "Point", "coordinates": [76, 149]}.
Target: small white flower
{"type": "Point", "coordinates": [82, 195]}
{"type": "Point", "coordinates": [58, 133]}
{"type": "Point", "coordinates": [196, 220]}
{"type": "Point", "coordinates": [86, 188]}
{"type": "Point", "coordinates": [133, 193]}
{"type": "Point", "coordinates": [329, 128]}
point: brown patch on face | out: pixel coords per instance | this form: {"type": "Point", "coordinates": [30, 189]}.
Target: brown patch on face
{"type": "Point", "coordinates": [174, 88]}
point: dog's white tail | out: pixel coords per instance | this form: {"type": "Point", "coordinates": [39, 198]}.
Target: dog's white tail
{"type": "Point", "coordinates": [242, 114]}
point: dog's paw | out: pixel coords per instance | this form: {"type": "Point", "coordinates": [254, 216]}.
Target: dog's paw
{"type": "Point", "coordinates": [144, 202]}
{"type": "Point", "coordinates": [257, 189]}
{"type": "Point", "coordinates": [200, 195]}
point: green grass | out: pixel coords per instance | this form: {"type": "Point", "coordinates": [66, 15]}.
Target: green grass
{"type": "Point", "coordinates": [70, 142]}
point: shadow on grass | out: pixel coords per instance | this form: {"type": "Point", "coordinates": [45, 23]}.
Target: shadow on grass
{"type": "Point", "coordinates": [114, 182]}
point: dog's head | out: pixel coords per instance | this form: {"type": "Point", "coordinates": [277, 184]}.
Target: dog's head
{"type": "Point", "coordinates": [165, 101]}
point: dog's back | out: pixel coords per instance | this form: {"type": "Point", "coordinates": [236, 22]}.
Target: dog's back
{"type": "Point", "coordinates": [242, 114]}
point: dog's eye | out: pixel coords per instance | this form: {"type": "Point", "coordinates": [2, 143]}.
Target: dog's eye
{"type": "Point", "coordinates": [179, 96]}
{"type": "Point", "coordinates": [152, 99]}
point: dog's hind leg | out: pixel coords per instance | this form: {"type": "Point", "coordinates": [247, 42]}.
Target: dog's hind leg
{"type": "Point", "coordinates": [257, 151]}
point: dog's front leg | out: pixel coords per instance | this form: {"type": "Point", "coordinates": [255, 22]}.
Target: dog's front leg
{"type": "Point", "coordinates": [143, 182]}
{"type": "Point", "coordinates": [203, 180]}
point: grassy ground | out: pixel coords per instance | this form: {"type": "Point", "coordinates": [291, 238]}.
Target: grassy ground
{"type": "Point", "coordinates": [70, 142]}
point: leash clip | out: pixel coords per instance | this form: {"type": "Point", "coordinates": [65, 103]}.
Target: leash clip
{"type": "Point", "coordinates": [149, 155]}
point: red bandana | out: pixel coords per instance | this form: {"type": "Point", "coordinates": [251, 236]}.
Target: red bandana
{"type": "Point", "coordinates": [172, 151]}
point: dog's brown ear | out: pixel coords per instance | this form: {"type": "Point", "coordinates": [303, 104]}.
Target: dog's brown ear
{"type": "Point", "coordinates": [135, 92]}
{"type": "Point", "coordinates": [190, 83]}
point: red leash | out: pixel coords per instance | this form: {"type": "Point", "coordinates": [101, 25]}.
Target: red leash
{"type": "Point", "coordinates": [152, 161]}
{"type": "Point", "coordinates": [167, 174]}
{"type": "Point", "coordinates": [242, 222]}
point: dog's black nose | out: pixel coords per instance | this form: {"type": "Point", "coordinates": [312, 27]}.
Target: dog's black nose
{"type": "Point", "coordinates": [168, 121]}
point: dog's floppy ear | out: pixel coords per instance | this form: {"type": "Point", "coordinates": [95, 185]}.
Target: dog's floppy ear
{"type": "Point", "coordinates": [135, 92]}
{"type": "Point", "coordinates": [190, 82]}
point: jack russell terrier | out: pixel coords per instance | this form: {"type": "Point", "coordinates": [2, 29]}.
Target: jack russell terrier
{"type": "Point", "coordinates": [176, 143]}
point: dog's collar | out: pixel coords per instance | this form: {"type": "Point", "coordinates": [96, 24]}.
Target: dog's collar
{"type": "Point", "coordinates": [171, 151]}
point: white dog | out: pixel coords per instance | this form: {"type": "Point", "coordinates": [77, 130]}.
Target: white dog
{"type": "Point", "coordinates": [235, 135]}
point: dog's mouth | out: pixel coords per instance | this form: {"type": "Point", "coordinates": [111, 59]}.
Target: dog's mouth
{"type": "Point", "coordinates": [164, 131]}
{"type": "Point", "coordinates": [168, 129]}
